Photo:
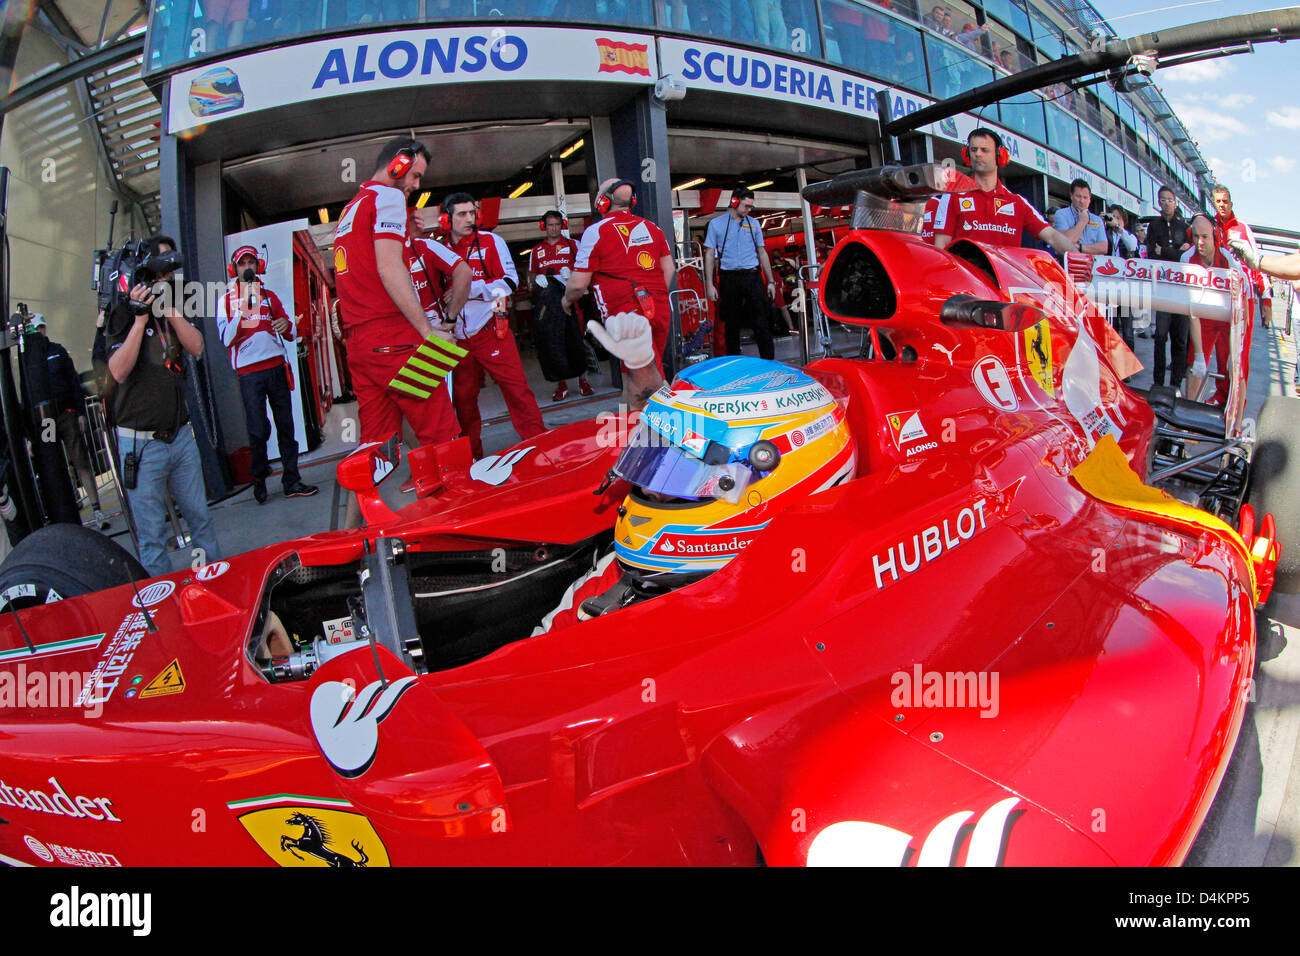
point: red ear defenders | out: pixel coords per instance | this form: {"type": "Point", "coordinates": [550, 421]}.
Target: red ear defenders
{"type": "Point", "coordinates": [401, 163]}
{"type": "Point", "coordinates": [541, 223]}
{"type": "Point", "coordinates": [444, 222]}
{"type": "Point", "coordinates": [1003, 156]}
{"type": "Point", "coordinates": [245, 251]}
{"type": "Point", "coordinates": [603, 201]}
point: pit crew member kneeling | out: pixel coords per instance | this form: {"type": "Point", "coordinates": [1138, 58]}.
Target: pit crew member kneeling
{"type": "Point", "coordinates": [694, 473]}
{"type": "Point", "coordinates": [146, 348]}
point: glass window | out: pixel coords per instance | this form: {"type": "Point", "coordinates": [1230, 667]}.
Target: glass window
{"type": "Point", "coordinates": [1011, 13]}
{"type": "Point", "coordinates": [953, 70]}
{"type": "Point", "coordinates": [1063, 132]}
{"type": "Point", "coordinates": [1133, 177]}
{"type": "Point", "coordinates": [1107, 96]}
{"type": "Point", "coordinates": [783, 24]}
{"type": "Point", "coordinates": [868, 42]}
{"type": "Point", "coordinates": [187, 29]}
{"type": "Point", "coordinates": [1047, 37]}
{"type": "Point", "coordinates": [1093, 149]}
{"type": "Point", "coordinates": [1024, 114]}
{"type": "Point", "coordinates": [1126, 112]}
{"type": "Point", "coordinates": [1114, 164]}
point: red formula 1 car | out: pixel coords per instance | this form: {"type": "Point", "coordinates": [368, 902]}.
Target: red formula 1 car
{"type": "Point", "coordinates": [994, 644]}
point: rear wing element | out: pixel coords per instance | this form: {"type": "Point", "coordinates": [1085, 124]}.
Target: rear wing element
{"type": "Point", "coordinates": [1208, 295]}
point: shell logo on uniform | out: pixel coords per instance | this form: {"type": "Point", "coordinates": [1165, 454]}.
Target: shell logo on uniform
{"type": "Point", "coordinates": [340, 260]}
{"type": "Point", "coordinates": [645, 260]}
{"type": "Point", "coordinates": [311, 831]}
{"type": "Point", "coordinates": [967, 204]}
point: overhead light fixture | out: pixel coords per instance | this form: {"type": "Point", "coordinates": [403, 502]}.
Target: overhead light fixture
{"type": "Point", "coordinates": [521, 190]}
{"type": "Point", "coordinates": [424, 198]}
{"type": "Point", "coordinates": [766, 182]}
{"type": "Point", "coordinates": [324, 215]}
{"type": "Point", "coordinates": [689, 184]}
{"type": "Point", "coordinates": [572, 149]}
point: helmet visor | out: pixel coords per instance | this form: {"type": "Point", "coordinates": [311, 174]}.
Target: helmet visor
{"type": "Point", "coordinates": [651, 463]}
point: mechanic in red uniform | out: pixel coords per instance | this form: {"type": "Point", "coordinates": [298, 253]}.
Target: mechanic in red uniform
{"type": "Point", "coordinates": [483, 326]}
{"type": "Point", "coordinates": [254, 327]}
{"type": "Point", "coordinates": [441, 279]}
{"type": "Point", "coordinates": [1206, 251]}
{"type": "Point", "coordinates": [550, 264]}
{"type": "Point", "coordinates": [927, 219]}
{"type": "Point", "coordinates": [992, 213]}
{"type": "Point", "coordinates": [382, 314]}
{"type": "Point", "coordinates": [1230, 228]}
{"type": "Point", "coordinates": [627, 263]}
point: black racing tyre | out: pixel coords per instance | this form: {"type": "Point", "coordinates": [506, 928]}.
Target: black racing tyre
{"type": "Point", "coordinates": [1275, 482]}
{"type": "Point", "coordinates": [62, 561]}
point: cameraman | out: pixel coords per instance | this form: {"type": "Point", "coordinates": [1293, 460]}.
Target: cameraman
{"type": "Point", "coordinates": [154, 438]}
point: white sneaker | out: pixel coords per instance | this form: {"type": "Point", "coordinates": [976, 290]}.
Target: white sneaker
{"type": "Point", "coordinates": [101, 522]}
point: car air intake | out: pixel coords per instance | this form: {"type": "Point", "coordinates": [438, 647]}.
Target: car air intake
{"type": "Point", "coordinates": [858, 287]}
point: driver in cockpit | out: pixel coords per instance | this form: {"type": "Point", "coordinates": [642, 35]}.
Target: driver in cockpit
{"type": "Point", "coordinates": [713, 458]}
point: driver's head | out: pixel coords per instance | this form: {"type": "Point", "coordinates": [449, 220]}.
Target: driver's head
{"type": "Point", "coordinates": [732, 442]}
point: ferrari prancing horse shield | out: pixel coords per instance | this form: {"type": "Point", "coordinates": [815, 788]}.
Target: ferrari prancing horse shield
{"type": "Point", "coordinates": [315, 836]}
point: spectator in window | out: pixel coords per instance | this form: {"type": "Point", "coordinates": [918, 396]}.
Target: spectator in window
{"type": "Point", "coordinates": [934, 20]}
{"type": "Point", "coordinates": [970, 35]}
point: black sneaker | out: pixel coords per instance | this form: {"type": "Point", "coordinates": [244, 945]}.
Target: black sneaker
{"type": "Point", "coordinates": [259, 492]}
{"type": "Point", "coordinates": [300, 490]}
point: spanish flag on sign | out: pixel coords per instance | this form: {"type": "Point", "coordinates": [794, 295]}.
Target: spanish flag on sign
{"type": "Point", "coordinates": [427, 367]}
{"type": "Point", "coordinates": [618, 57]}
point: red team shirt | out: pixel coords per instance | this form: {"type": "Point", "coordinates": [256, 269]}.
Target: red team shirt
{"type": "Point", "coordinates": [431, 263]}
{"type": "Point", "coordinates": [996, 217]}
{"type": "Point", "coordinates": [377, 210]}
{"type": "Point", "coordinates": [927, 219]}
{"type": "Point", "coordinates": [547, 259]}
{"type": "Point", "coordinates": [623, 251]}
{"type": "Point", "coordinates": [248, 334]}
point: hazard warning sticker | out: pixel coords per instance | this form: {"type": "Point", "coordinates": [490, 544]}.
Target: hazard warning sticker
{"type": "Point", "coordinates": [170, 681]}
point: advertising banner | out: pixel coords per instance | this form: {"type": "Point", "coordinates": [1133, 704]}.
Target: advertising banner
{"type": "Point", "coordinates": [401, 59]}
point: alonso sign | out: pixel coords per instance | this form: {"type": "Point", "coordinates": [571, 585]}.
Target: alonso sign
{"type": "Point", "coordinates": [377, 61]}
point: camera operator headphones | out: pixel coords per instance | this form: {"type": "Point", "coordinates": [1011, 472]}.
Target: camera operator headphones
{"type": "Point", "coordinates": [240, 253]}
{"type": "Point", "coordinates": [603, 202]}
{"type": "Point", "coordinates": [1003, 154]}
{"type": "Point", "coordinates": [564, 220]}
{"type": "Point", "coordinates": [400, 164]}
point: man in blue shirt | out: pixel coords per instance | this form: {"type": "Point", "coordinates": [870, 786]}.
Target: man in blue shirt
{"type": "Point", "coordinates": [735, 241]}
{"type": "Point", "coordinates": [1077, 222]}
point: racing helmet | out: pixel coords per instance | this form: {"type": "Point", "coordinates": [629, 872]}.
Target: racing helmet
{"type": "Point", "coordinates": [718, 453]}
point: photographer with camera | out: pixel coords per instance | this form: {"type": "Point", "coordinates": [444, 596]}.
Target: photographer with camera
{"type": "Point", "coordinates": [1120, 242]}
{"type": "Point", "coordinates": [147, 338]}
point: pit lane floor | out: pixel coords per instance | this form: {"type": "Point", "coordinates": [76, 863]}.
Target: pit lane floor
{"type": "Point", "coordinates": [1254, 821]}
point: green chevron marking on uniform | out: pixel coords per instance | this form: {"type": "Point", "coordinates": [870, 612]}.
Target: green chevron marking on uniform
{"type": "Point", "coordinates": [414, 376]}
{"type": "Point", "coordinates": [434, 370]}
{"type": "Point", "coordinates": [420, 393]}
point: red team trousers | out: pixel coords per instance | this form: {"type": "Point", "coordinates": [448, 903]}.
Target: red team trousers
{"type": "Point", "coordinates": [500, 359]}
{"type": "Point", "coordinates": [374, 356]}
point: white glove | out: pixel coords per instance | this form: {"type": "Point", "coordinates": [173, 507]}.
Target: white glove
{"type": "Point", "coordinates": [1243, 251]}
{"type": "Point", "coordinates": [626, 336]}
{"type": "Point", "coordinates": [542, 281]}
{"type": "Point", "coordinates": [565, 273]}
{"type": "Point", "coordinates": [1198, 367]}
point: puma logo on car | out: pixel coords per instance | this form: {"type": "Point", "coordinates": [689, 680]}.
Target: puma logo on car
{"type": "Point", "coordinates": [495, 469]}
